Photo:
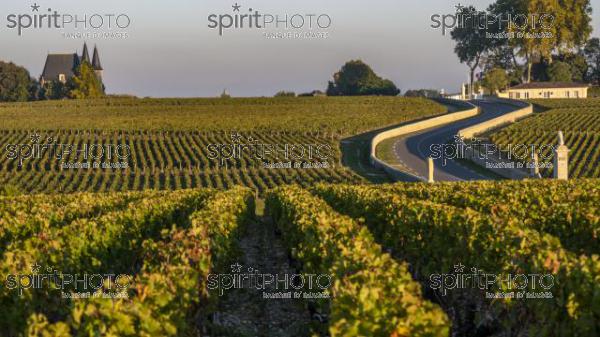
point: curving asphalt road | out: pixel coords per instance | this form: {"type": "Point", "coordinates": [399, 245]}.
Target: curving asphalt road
{"type": "Point", "coordinates": [413, 149]}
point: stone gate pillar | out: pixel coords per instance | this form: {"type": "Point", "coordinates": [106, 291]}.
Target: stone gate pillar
{"type": "Point", "coordinates": [561, 159]}
{"type": "Point", "coordinates": [535, 169]}
{"type": "Point", "coordinates": [431, 167]}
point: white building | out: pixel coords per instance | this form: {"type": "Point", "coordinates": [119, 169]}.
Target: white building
{"type": "Point", "coordinates": [537, 90]}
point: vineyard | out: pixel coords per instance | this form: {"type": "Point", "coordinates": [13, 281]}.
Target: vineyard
{"type": "Point", "coordinates": [188, 143]}
{"type": "Point", "coordinates": [164, 243]}
{"type": "Point", "coordinates": [580, 122]}
{"type": "Point", "coordinates": [340, 116]}
{"type": "Point", "coordinates": [151, 244]}
{"type": "Point", "coordinates": [381, 246]}
{"type": "Point", "coordinates": [444, 229]}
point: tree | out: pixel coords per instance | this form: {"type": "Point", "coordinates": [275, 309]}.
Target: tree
{"type": "Point", "coordinates": [574, 23]}
{"type": "Point", "coordinates": [54, 90]}
{"type": "Point", "coordinates": [471, 41]}
{"type": "Point", "coordinates": [15, 83]}
{"type": "Point", "coordinates": [429, 93]}
{"type": "Point", "coordinates": [85, 84]}
{"type": "Point", "coordinates": [577, 65]}
{"type": "Point", "coordinates": [568, 31]}
{"type": "Point", "coordinates": [358, 79]}
{"type": "Point", "coordinates": [495, 80]}
{"type": "Point", "coordinates": [592, 55]}
{"type": "Point", "coordinates": [560, 72]}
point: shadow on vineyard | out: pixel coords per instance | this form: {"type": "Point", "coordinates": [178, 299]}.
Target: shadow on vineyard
{"type": "Point", "coordinates": [244, 312]}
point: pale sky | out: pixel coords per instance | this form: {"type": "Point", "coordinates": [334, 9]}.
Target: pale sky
{"type": "Point", "coordinates": [171, 52]}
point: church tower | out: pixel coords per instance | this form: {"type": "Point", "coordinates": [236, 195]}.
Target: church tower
{"type": "Point", "coordinates": [96, 63]}
{"type": "Point", "coordinates": [85, 56]}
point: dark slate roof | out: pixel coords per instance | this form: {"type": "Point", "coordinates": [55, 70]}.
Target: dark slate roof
{"type": "Point", "coordinates": [85, 56]}
{"type": "Point", "coordinates": [96, 60]}
{"type": "Point", "coordinates": [60, 64]}
{"type": "Point", "coordinates": [550, 85]}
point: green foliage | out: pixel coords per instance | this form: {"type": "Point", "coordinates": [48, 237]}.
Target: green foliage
{"type": "Point", "coordinates": [9, 190]}
{"type": "Point", "coordinates": [471, 42]}
{"type": "Point", "coordinates": [371, 294]}
{"type": "Point", "coordinates": [172, 281]}
{"type": "Point", "coordinates": [569, 31]}
{"type": "Point", "coordinates": [99, 244]}
{"type": "Point", "coordinates": [559, 72]}
{"type": "Point", "coordinates": [592, 54]}
{"type": "Point", "coordinates": [55, 90]}
{"type": "Point", "coordinates": [178, 236]}
{"type": "Point", "coordinates": [578, 65]}
{"type": "Point", "coordinates": [495, 80]}
{"type": "Point", "coordinates": [434, 237]}
{"type": "Point", "coordinates": [565, 210]}
{"type": "Point", "coordinates": [426, 93]}
{"type": "Point", "coordinates": [85, 84]}
{"type": "Point", "coordinates": [15, 83]}
{"type": "Point", "coordinates": [285, 94]}
{"type": "Point", "coordinates": [568, 67]}
{"type": "Point", "coordinates": [358, 79]}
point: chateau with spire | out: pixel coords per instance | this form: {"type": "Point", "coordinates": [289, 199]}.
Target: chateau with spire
{"type": "Point", "coordinates": [62, 67]}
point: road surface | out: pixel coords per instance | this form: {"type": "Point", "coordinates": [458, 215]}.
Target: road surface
{"type": "Point", "coordinates": [412, 150]}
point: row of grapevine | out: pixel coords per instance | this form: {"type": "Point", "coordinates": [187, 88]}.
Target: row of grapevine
{"type": "Point", "coordinates": [566, 210]}
{"type": "Point", "coordinates": [259, 179]}
{"type": "Point", "coordinates": [435, 238]}
{"type": "Point", "coordinates": [22, 216]}
{"type": "Point", "coordinates": [584, 158]}
{"type": "Point", "coordinates": [107, 244]}
{"type": "Point", "coordinates": [170, 297]}
{"type": "Point", "coordinates": [148, 151]}
{"type": "Point", "coordinates": [371, 294]}
{"type": "Point", "coordinates": [330, 117]}
{"type": "Point", "coordinates": [580, 122]}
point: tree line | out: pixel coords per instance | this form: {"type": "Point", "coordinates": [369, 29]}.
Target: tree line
{"type": "Point", "coordinates": [509, 54]}
{"type": "Point", "coordinates": [17, 85]}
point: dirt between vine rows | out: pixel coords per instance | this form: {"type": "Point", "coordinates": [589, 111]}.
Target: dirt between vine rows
{"type": "Point", "coordinates": [244, 312]}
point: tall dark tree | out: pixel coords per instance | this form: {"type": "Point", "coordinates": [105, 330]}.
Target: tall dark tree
{"type": "Point", "coordinates": [592, 55]}
{"type": "Point", "coordinates": [55, 90]}
{"type": "Point", "coordinates": [471, 41]}
{"type": "Point", "coordinates": [358, 79]}
{"type": "Point", "coordinates": [572, 63]}
{"type": "Point", "coordinates": [15, 83]}
{"type": "Point", "coordinates": [559, 72]}
{"type": "Point", "coordinates": [577, 65]}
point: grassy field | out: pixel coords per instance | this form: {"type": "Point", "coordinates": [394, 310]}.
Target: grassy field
{"type": "Point", "coordinates": [169, 141]}
{"type": "Point", "coordinates": [580, 122]}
